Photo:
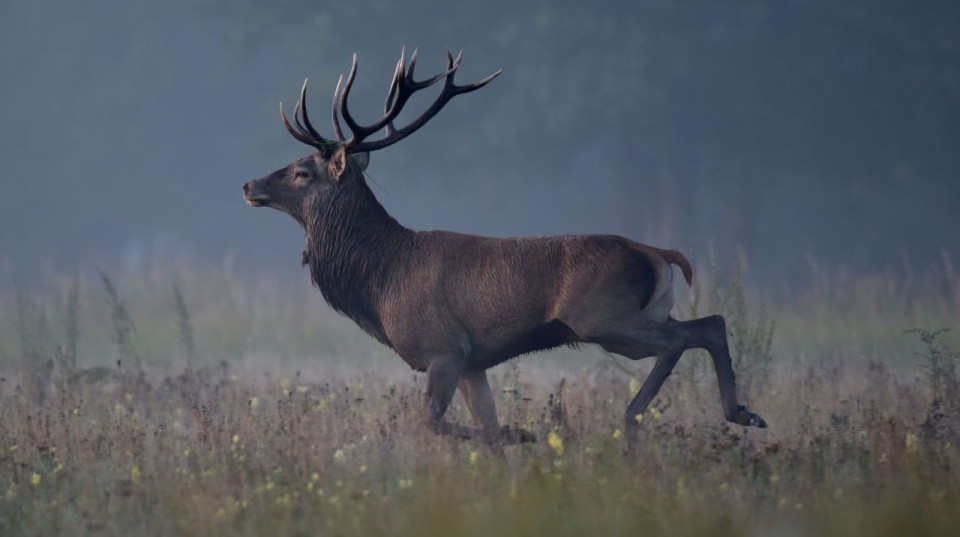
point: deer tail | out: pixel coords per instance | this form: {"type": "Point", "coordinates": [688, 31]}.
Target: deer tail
{"type": "Point", "coordinates": [676, 258]}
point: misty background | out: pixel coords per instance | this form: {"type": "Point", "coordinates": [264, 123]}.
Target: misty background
{"type": "Point", "coordinates": [793, 131]}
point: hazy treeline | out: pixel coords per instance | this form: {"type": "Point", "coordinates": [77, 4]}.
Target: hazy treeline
{"type": "Point", "coordinates": [787, 129]}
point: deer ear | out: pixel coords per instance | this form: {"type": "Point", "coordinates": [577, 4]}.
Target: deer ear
{"type": "Point", "coordinates": [338, 162]}
{"type": "Point", "coordinates": [362, 159]}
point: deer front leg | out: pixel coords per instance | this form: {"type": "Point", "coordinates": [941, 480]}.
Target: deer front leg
{"type": "Point", "coordinates": [443, 375]}
{"type": "Point", "coordinates": [475, 389]}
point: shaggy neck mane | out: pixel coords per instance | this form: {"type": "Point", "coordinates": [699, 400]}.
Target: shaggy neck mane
{"type": "Point", "coordinates": [353, 249]}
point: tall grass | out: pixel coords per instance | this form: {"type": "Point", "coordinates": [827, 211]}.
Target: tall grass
{"type": "Point", "coordinates": [349, 457]}
{"type": "Point", "coordinates": [67, 357]}
{"type": "Point", "coordinates": [185, 328]}
{"type": "Point", "coordinates": [260, 411]}
{"type": "Point", "coordinates": [123, 327]}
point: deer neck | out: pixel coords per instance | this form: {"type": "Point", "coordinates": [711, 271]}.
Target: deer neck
{"type": "Point", "coordinates": [355, 250]}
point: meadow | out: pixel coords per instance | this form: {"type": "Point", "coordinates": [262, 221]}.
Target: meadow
{"type": "Point", "coordinates": [191, 400]}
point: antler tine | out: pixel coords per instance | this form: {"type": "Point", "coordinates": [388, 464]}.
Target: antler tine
{"type": "Point", "coordinates": [297, 111]}
{"type": "Point", "coordinates": [393, 87]}
{"type": "Point", "coordinates": [306, 118]}
{"type": "Point", "coordinates": [336, 120]}
{"type": "Point", "coordinates": [453, 64]}
{"type": "Point", "coordinates": [299, 135]}
{"type": "Point", "coordinates": [413, 84]}
{"type": "Point", "coordinates": [344, 110]}
{"type": "Point", "coordinates": [306, 134]}
{"type": "Point", "coordinates": [416, 86]}
{"type": "Point", "coordinates": [394, 83]}
{"type": "Point", "coordinates": [413, 63]}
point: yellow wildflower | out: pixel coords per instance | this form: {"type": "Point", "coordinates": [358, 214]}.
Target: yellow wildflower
{"type": "Point", "coordinates": [555, 442]}
{"type": "Point", "coordinates": [911, 443]}
{"type": "Point", "coordinates": [36, 479]}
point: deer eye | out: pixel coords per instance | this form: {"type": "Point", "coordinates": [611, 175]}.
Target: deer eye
{"type": "Point", "coordinates": [301, 174]}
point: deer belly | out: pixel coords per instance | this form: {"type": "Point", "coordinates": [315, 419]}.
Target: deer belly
{"type": "Point", "coordinates": [505, 344]}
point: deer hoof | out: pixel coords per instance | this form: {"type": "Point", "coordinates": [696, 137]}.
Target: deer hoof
{"type": "Point", "coordinates": [756, 421]}
{"type": "Point", "coordinates": [518, 436]}
{"type": "Point", "coordinates": [526, 437]}
{"type": "Point", "coordinates": [748, 419]}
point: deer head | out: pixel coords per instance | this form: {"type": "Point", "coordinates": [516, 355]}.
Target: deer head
{"type": "Point", "coordinates": [310, 183]}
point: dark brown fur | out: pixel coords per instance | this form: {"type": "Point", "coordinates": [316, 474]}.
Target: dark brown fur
{"type": "Point", "coordinates": [454, 305]}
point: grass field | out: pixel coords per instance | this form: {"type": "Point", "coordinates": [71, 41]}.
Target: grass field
{"type": "Point", "coordinates": [242, 406]}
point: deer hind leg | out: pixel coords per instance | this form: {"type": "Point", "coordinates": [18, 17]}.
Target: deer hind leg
{"type": "Point", "coordinates": [710, 333]}
{"type": "Point", "coordinates": [641, 339]}
{"type": "Point", "coordinates": [476, 392]}
{"type": "Point", "coordinates": [661, 370]}
{"type": "Point", "coordinates": [667, 341]}
{"type": "Point", "coordinates": [654, 339]}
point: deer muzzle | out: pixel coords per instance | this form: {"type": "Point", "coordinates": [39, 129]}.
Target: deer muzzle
{"type": "Point", "coordinates": [253, 196]}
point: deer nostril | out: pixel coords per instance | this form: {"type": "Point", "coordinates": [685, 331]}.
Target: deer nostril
{"type": "Point", "coordinates": [246, 188]}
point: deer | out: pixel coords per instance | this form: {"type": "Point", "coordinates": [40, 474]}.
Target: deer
{"type": "Point", "coordinates": [454, 305]}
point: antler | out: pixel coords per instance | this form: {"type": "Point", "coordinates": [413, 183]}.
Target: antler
{"type": "Point", "coordinates": [305, 131]}
{"type": "Point", "coordinates": [402, 86]}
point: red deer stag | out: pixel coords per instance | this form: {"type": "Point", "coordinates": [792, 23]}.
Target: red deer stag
{"type": "Point", "coordinates": [455, 305]}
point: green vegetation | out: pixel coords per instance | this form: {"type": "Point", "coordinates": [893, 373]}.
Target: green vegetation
{"type": "Point", "coordinates": [258, 411]}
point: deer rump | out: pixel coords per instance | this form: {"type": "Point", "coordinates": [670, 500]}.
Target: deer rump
{"type": "Point", "coordinates": [491, 299]}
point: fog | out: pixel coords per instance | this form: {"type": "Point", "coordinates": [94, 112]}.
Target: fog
{"type": "Point", "coordinates": [791, 130]}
